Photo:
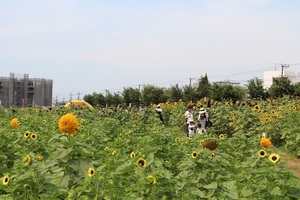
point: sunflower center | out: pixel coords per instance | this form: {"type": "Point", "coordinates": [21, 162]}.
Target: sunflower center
{"type": "Point", "coordinates": [6, 180]}
{"type": "Point", "coordinates": [274, 158]}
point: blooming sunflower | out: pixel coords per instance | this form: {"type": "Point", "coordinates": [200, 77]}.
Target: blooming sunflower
{"type": "Point", "coordinates": [106, 149]}
{"type": "Point", "coordinates": [262, 153]}
{"type": "Point", "coordinates": [177, 139]}
{"type": "Point", "coordinates": [26, 160]}
{"type": "Point", "coordinates": [152, 179]}
{"type": "Point", "coordinates": [33, 136]}
{"type": "Point", "coordinates": [26, 134]}
{"type": "Point", "coordinates": [221, 136]}
{"type": "Point", "coordinates": [132, 155]}
{"type": "Point", "coordinates": [5, 180]}
{"type": "Point", "coordinates": [274, 157]}
{"type": "Point", "coordinates": [265, 142]}
{"type": "Point", "coordinates": [256, 107]}
{"type": "Point", "coordinates": [114, 153]}
{"type": "Point", "coordinates": [212, 155]}
{"type": "Point", "coordinates": [141, 162]}
{"type": "Point", "coordinates": [14, 122]}
{"type": "Point", "coordinates": [194, 154]}
{"type": "Point", "coordinates": [91, 172]}
{"type": "Point", "coordinates": [68, 123]}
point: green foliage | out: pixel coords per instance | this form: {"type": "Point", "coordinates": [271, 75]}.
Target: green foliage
{"type": "Point", "coordinates": [134, 156]}
{"type": "Point", "coordinates": [255, 88]}
{"type": "Point", "coordinates": [281, 86]}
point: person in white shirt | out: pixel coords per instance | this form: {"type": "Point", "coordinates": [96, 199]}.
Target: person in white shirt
{"type": "Point", "coordinates": [191, 128]}
{"type": "Point", "coordinates": [189, 117]}
{"type": "Point", "coordinates": [202, 120]}
{"type": "Point", "coordinates": [159, 112]}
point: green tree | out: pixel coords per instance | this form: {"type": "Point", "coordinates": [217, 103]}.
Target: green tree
{"type": "Point", "coordinates": [95, 99]}
{"type": "Point", "coordinates": [113, 99]}
{"type": "Point", "coordinates": [203, 87]}
{"type": "Point", "coordinates": [131, 95]}
{"type": "Point", "coordinates": [189, 93]}
{"type": "Point", "coordinates": [220, 92]}
{"type": "Point", "coordinates": [281, 86]}
{"type": "Point", "coordinates": [255, 88]}
{"type": "Point", "coordinates": [176, 93]}
{"type": "Point", "coordinates": [153, 94]}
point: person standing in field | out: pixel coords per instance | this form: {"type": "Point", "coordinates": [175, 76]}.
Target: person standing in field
{"type": "Point", "coordinates": [159, 112]}
{"type": "Point", "coordinates": [203, 120]}
{"type": "Point", "coordinates": [189, 117]}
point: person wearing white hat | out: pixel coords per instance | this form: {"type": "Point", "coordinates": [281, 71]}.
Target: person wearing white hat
{"type": "Point", "coordinates": [202, 120]}
{"type": "Point", "coordinates": [159, 112]}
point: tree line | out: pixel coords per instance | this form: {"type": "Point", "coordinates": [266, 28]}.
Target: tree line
{"type": "Point", "coordinates": [152, 94]}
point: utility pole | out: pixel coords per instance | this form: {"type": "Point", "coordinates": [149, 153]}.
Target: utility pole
{"type": "Point", "coordinates": [78, 95]}
{"type": "Point", "coordinates": [191, 80]}
{"type": "Point", "coordinates": [282, 67]}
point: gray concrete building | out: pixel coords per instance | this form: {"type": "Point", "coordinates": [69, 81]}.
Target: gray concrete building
{"type": "Point", "coordinates": [20, 90]}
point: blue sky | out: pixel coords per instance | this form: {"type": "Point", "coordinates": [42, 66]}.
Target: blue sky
{"type": "Point", "coordinates": [91, 46]}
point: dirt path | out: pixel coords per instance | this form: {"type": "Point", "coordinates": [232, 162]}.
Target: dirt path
{"type": "Point", "coordinates": [293, 163]}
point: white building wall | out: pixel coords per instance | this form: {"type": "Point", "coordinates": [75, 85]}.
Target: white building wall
{"type": "Point", "coordinates": [269, 75]}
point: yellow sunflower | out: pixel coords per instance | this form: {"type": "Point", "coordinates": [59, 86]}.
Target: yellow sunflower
{"type": "Point", "coordinates": [265, 142]}
{"type": "Point", "coordinates": [26, 134]}
{"type": "Point", "coordinates": [114, 153]}
{"type": "Point", "coordinates": [152, 179]}
{"type": "Point", "coordinates": [262, 153]}
{"type": "Point", "coordinates": [274, 157]}
{"type": "Point", "coordinates": [68, 123]}
{"type": "Point", "coordinates": [91, 172]}
{"type": "Point", "coordinates": [177, 139]}
{"type": "Point", "coordinates": [39, 157]}
{"type": "Point", "coordinates": [5, 180]}
{"type": "Point", "coordinates": [132, 155]}
{"type": "Point", "coordinates": [33, 136]}
{"type": "Point", "coordinates": [194, 154]}
{"type": "Point", "coordinates": [256, 107]}
{"type": "Point", "coordinates": [141, 162]}
{"type": "Point", "coordinates": [212, 155]}
{"type": "Point", "coordinates": [221, 136]}
{"type": "Point", "coordinates": [14, 122]}
{"type": "Point", "coordinates": [26, 160]}
{"type": "Point", "coordinates": [106, 149]}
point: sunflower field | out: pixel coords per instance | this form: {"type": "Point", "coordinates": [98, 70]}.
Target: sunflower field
{"type": "Point", "coordinates": [118, 153]}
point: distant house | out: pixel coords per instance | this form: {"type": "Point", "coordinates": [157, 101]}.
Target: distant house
{"type": "Point", "coordinates": [269, 76]}
{"type": "Point", "coordinates": [20, 90]}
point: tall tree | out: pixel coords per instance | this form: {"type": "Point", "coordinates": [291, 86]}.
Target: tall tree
{"type": "Point", "coordinates": [281, 86]}
{"type": "Point", "coordinates": [255, 88]}
{"type": "Point", "coordinates": [176, 93]}
{"type": "Point", "coordinates": [131, 95]}
{"type": "Point", "coordinates": [189, 93]}
{"type": "Point", "coordinates": [153, 94]}
{"type": "Point", "coordinates": [203, 87]}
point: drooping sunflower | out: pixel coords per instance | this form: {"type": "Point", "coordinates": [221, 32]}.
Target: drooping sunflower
{"type": "Point", "coordinates": [132, 154]}
{"type": "Point", "coordinates": [265, 142]}
{"type": "Point", "coordinates": [26, 134]}
{"type": "Point", "coordinates": [33, 136]}
{"type": "Point", "coordinates": [91, 172]}
{"type": "Point", "coordinates": [26, 160]}
{"type": "Point", "coordinates": [212, 155]}
{"type": "Point", "coordinates": [141, 162]}
{"type": "Point", "coordinates": [114, 153]}
{"type": "Point", "coordinates": [152, 179]}
{"type": "Point", "coordinates": [194, 154]}
{"type": "Point", "coordinates": [201, 142]}
{"type": "Point", "coordinates": [14, 122]}
{"type": "Point", "coordinates": [68, 123]}
{"type": "Point", "coordinates": [39, 157]}
{"type": "Point", "coordinates": [43, 121]}
{"type": "Point", "coordinates": [274, 157]}
{"type": "Point", "coordinates": [262, 153]}
{"type": "Point", "coordinates": [106, 149]}
{"type": "Point", "coordinates": [5, 180]}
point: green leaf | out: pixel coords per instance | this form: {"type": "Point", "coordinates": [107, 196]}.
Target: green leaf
{"type": "Point", "coordinates": [276, 191]}
{"type": "Point", "coordinates": [294, 192]}
{"type": "Point", "coordinates": [124, 169]}
{"type": "Point", "coordinates": [212, 185]}
{"type": "Point", "coordinates": [229, 185]}
{"type": "Point", "coordinates": [197, 192]}
{"type": "Point", "coordinates": [246, 191]}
